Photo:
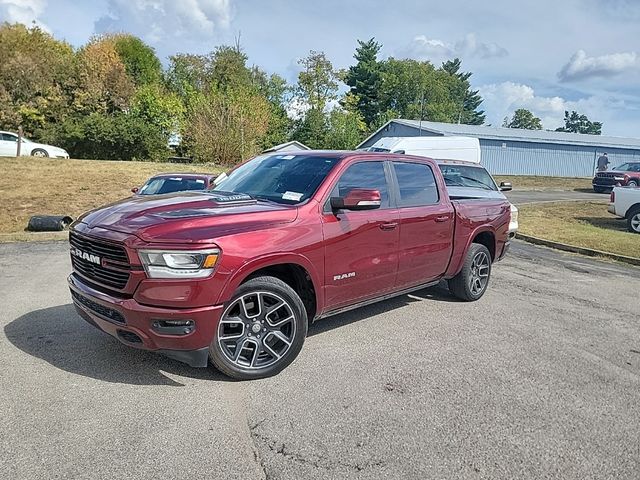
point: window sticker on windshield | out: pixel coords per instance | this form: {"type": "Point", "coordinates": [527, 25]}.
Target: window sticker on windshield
{"type": "Point", "coordinates": [295, 196]}
{"type": "Point", "coordinates": [287, 157]}
{"type": "Point", "coordinates": [199, 180]}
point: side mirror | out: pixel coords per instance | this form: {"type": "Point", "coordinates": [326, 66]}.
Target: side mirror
{"type": "Point", "coordinates": [506, 186]}
{"type": "Point", "coordinates": [135, 190]}
{"type": "Point", "coordinates": [357, 199]}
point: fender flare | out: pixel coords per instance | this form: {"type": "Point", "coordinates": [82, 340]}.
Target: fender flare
{"type": "Point", "coordinates": [481, 229]}
{"type": "Point", "coordinates": [270, 260]}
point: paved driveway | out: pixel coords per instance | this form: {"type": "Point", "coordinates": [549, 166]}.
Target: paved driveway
{"type": "Point", "coordinates": [539, 379]}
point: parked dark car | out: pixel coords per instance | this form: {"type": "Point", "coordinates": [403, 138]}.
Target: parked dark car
{"type": "Point", "coordinates": [625, 175]}
{"type": "Point", "coordinates": [175, 182]}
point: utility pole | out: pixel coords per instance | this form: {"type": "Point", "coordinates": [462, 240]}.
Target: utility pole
{"type": "Point", "coordinates": [19, 147]}
{"type": "Point", "coordinates": [421, 114]}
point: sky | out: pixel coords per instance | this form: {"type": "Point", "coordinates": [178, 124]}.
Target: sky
{"type": "Point", "coordinates": [546, 56]}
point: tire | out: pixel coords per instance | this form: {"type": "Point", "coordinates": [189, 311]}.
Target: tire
{"type": "Point", "coordinates": [633, 184]}
{"type": "Point", "coordinates": [472, 281]}
{"type": "Point", "coordinates": [269, 337]}
{"type": "Point", "coordinates": [633, 220]}
{"type": "Point", "coordinates": [39, 152]}
{"type": "Point", "coordinates": [598, 189]}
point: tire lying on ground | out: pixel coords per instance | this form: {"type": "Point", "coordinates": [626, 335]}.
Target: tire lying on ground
{"type": "Point", "coordinates": [48, 223]}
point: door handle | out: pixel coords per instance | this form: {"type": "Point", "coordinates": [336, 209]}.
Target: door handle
{"type": "Point", "coordinates": [388, 226]}
{"type": "Point", "coordinates": [442, 218]}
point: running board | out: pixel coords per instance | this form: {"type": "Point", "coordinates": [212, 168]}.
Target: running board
{"type": "Point", "coordinates": [387, 296]}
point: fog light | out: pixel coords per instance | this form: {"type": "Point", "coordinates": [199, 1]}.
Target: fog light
{"type": "Point", "coordinates": [173, 327]}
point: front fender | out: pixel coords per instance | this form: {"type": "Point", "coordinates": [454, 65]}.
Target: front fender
{"type": "Point", "coordinates": [241, 274]}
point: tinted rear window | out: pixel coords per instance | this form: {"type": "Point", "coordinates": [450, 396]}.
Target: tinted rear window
{"type": "Point", "coordinates": [416, 184]}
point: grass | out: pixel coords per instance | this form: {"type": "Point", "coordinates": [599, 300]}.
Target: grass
{"type": "Point", "coordinates": [581, 224]}
{"type": "Point", "coordinates": [32, 186]}
{"type": "Point", "coordinates": [545, 183]}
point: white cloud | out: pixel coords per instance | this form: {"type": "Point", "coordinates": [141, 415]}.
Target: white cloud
{"type": "Point", "coordinates": [502, 99]}
{"type": "Point", "coordinates": [423, 48]}
{"type": "Point", "coordinates": [581, 67]}
{"type": "Point", "coordinates": [26, 12]}
{"type": "Point", "coordinates": [159, 20]}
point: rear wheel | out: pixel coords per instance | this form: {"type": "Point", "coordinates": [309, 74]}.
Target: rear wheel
{"type": "Point", "coordinates": [472, 281]}
{"type": "Point", "coordinates": [632, 183]}
{"type": "Point", "coordinates": [598, 189]}
{"type": "Point", "coordinates": [39, 152]}
{"type": "Point", "coordinates": [633, 220]}
{"type": "Point", "coordinates": [261, 331]}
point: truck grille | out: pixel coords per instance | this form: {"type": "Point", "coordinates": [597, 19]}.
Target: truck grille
{"type": "Point", "coordinates": [113, 270]}
{"type": "Point", "coordinates": [100, 310]}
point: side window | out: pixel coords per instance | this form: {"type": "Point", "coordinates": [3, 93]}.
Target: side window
{"type": "Point", "coordinates": [9, 138]}
{"type": "Point", "coordinates": [364, 175]}
{"type": "Point", "coordinates": [416, 184]}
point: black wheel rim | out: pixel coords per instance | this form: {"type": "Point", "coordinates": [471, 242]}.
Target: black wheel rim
{"type": "Point", "coordinates": [479, 277]}
{"type": "Point", "coordinates": [256, 330]}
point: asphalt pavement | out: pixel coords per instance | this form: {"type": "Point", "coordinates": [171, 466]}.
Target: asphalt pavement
{"type": "Point", "coordinates": [539, 379]}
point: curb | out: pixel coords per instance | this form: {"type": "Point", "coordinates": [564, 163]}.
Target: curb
{"type": "Point", "coordinates": [583, 251]}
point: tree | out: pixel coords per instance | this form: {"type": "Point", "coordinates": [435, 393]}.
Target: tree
{"type": "Point", "coordinates": [365, 78]}
{"type": "Point", "coordinates": [104, 85]}
{"type": "Point", "coordinates": [523, 118]}
{"type": "Point", "coordinates": [576, 123]}
{"type": "Point", "coordinates": [139, 59]}
{"type": "Point", "coordinates": [37, 78]}
{"type": "Point", "coordinates": [317, 82]}
{"type": "Point", "coordinates": [469, 99]}
{"type": "Point", "coordinates": [227, 126]}
{"type": "Point", "coordinates": [346, 129]}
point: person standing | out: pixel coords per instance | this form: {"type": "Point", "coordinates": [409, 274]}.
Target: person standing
{"type": "Point", "coordinates": [603, 162]}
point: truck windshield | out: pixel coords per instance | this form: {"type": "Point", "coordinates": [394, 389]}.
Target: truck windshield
{"type": "Point", "coordinates": [282, 178]}
{"type": "Point", "coordinates": [467, 176]}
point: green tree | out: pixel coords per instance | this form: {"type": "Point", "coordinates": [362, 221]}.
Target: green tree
{"type": "Point", "coordinates": [346, 129]}
{"type": "Point", "coordinates": [412, 89]}
{"type": "Point", "coordinates": [317, 82]}
{"type": "Point", "coordinates": [37, 78]}
{"type": "Point", "coordinates": [577, 123]}
{"type": "Point", "coordinates": [365, 79]}
{"type": "Point", "coordinates": [104, 85]}
{"type": "Point", "coordinates": [187, 74]}
{"type": "Point", "coordinates": [468, 99]}
{"type": "Point", "coordinates": [523, 118]}
{"type": "Point", "coordinates": [139, 59]}
{"type": "Point", "coordinates": [159, 108]}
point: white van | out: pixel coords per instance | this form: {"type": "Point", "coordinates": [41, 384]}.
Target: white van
{"type": "Point", "coordinates": [466, 149]}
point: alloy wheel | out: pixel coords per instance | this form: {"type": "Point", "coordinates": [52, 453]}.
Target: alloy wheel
{"type": "Point", "coordinates": [479, 273]}
{"type": "Point", "coordinates": [256, 330]}
{"type": "Point", "coordinates": [635, 222]}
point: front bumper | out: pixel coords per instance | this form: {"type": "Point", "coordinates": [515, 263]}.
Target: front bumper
{"type": "Point", "coordinates": [137, 325]}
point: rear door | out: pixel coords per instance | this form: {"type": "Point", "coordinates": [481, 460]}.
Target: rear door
{"type": "Point", "coordinates": [426, 223]}
{"type": "Point", "coordinates": [361, 247]}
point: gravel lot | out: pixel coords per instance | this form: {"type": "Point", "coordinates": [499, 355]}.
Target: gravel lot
{"type": "Point", "coordinates": [539, 379]}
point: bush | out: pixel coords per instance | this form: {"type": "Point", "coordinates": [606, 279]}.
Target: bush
{"type": "Point", "coordinates": [110, 137]}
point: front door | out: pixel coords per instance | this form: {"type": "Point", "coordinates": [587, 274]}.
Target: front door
{"type": "Point", "coordinates": [426, 225]}
{"type": "Point", "coordinates": [8, 145]}
{"type": "Point", "coordinates": [361, 257]}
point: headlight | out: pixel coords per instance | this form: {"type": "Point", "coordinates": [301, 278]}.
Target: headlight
{"type": "Point", "coordinates": [179, 264]}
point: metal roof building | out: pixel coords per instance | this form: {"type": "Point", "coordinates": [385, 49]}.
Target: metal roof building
{"type": "Point", "coordinates": [510, 151]}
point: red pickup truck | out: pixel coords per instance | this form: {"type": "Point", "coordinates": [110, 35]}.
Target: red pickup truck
{"type": "Point", "coordinates": [236, 274]}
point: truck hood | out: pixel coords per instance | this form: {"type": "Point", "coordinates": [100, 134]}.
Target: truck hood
{"type": "Point", "coordinates": [188, 217]}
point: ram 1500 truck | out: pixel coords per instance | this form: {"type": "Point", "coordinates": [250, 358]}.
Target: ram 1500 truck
{"type": "Point", "coordinates": [235, 275]}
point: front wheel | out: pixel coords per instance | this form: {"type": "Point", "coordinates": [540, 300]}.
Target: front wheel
{"type": "Point", "coordinates": [39, 152]}
{"type": "Point", "coordinates": [633, 184]}
{"type": "Point", "coordinates": [472, 281]}
{"type": "Point", "coordinates": [261, 331]}
{"type": "Point", "coordinates": [598, 189]}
